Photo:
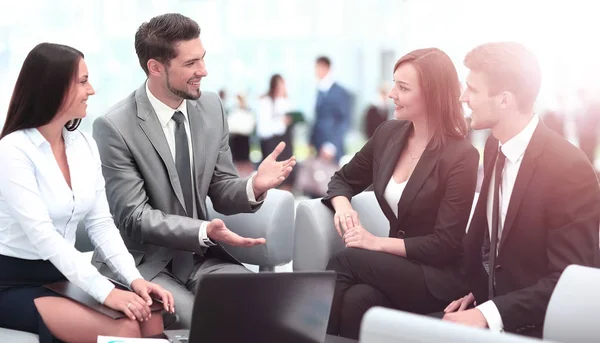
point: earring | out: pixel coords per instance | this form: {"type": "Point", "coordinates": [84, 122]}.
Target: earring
{"type": "Point", "coordinates": [72, 125]}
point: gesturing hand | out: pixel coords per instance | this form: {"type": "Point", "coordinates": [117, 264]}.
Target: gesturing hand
{"type": "Point", "coordinates": [216, 230]}
{"type": "Point", "coordinates": [271, 172]}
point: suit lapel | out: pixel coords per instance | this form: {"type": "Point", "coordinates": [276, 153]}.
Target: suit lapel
{"type": "Point", "coordinates": [474, 238]}
{"type": "Point", "coordinates": [526, 171]}
{"type": "Point", "coordinates": [198, 132]}
{"type": "Point", "coordinates": [390, 157]}
{"type": "Point", "coordinates": [416, 180]}
{"type": "Point", "coordinates": [153, 130]}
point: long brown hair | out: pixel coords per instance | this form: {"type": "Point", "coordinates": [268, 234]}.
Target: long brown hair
{"type": "Point", "coordinates": [441, 90]}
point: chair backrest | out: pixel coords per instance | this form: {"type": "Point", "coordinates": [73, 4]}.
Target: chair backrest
{"type": "Point", "coordinates": [573, 313]}
{"type": "Point", "coordinates": [382, 325]}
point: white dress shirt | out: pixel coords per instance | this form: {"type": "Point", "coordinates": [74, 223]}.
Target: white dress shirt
{"type": "Point", "coordinates": [393, 193]}
{"type": "Point", "coordinates": [271, 117]}
{"type": "Point", "coordinates": [514, 150]}
{"type": "Point", "coordinates": [325, 83]}
{"type": "Point", "coordinates": [165, 117]}
{"type": "Point", "coordinates": [39, 213]}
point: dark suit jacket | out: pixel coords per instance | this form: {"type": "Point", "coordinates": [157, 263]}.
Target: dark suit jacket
{"type": "Point", "coordinates": [332, 119]}
{"type": "Point", "coordinates": [435, 205]}
{"type": "Point", "coordinates": [552, 222]}
{"type": "Point", "coordinates": [142, 184]}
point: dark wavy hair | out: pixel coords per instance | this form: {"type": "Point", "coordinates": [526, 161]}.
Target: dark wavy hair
{"type": "Point", "coordinates": [157, 38]}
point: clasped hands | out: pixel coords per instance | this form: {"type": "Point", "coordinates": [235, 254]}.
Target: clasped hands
{"type": "Point", "coordinates": [135, 304]}
{"type": "Point", "coordinates": [353, 234]}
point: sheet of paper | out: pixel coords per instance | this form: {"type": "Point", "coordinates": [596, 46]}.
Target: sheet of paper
{"type": "Point", "coordinates": [110, 339]}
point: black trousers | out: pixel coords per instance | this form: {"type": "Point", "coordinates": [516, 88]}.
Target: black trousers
{"type": "Point", "coordinates": [369, 278]}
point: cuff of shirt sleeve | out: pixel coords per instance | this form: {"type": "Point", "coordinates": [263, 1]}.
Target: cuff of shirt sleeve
{"type": "Point", "coordinates": [100, 288]}
{"type": "Point", "coordinates": [251, 196]}
{"type": "Point", "coordinates": [203, 236]}
{"type": "Point", "coordinates": [132, 275]}
{"type": "Point", "coordinates": [492, 315]}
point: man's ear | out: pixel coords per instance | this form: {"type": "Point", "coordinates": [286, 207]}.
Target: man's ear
{"type": "Point", "coordinates": [155, 67]}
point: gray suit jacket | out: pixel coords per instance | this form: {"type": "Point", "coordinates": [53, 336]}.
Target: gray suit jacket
{"type": "Point", "coordinates": [142, 184]}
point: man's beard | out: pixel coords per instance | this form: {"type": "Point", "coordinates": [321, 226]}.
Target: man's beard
{"type": "Point", "coordinates": [182, 93]}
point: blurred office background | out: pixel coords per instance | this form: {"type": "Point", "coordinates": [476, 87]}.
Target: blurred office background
{"type": "Point", "coordinates": [249, 40]}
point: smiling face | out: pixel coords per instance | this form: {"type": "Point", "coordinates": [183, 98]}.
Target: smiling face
{"type": "Point", "coordinates": [183, 73]}
{"type": "Point", "coordinates": [407, 95]}
{"type": "Point", "coordinates": [75, 104]}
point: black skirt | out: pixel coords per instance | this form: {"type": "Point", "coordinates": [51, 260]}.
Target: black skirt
{"type": "Point", "coordinates": [21, 281]}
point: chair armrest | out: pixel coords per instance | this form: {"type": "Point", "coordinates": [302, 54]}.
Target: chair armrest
{"type": "Point", "coordinates": [274, 221]}
{"type": "Point", "coordinates": [316, 239]}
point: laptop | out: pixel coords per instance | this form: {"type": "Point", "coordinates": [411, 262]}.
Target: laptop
{"type": "Point", "coordinates": [260, 307]}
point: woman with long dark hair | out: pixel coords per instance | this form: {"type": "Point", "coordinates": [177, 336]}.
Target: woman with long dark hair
{"type": "Point", "coordinates": [50, 180]}
{"type": "Point", "coordinates": [423, 171]}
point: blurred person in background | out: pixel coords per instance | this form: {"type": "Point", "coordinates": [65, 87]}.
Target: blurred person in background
{"type": "Point", "coordinates": [273, 122]}
{"type": "Point", "coordinates": [332, 110]}
{"type": "Point", "coordinates": [377, 113]}
{"type": "Point", "coordinates": [315, 172]}
{"type": "Point", "coordinates": [242, 123]}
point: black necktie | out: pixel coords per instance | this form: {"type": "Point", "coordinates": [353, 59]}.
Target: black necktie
{"type": "Point", "coordinates": [500, 160]}
{"type": "Point", "coordinates": [183, 260]}
{"type": "Point", "coordinates": [182, 161]}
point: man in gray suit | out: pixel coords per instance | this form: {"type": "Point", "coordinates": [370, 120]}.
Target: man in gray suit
{"type": "Point", "coordinates": [164, 148]}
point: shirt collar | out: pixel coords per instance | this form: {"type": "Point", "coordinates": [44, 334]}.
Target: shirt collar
{"type": "Point", "coordinates": [325, 83]}
{"type": "Point", "coordinates": [164, 112]}
{"type": "Point", "coordinates": [36, 137]}
{"type": "Point", "coordinates": [514, 148]}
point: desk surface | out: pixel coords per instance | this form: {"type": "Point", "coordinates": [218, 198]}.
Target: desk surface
{"type": "Point", "coordinates": [328, 339]}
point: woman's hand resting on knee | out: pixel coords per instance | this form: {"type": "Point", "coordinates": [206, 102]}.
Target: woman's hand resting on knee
{"type": "Point", "coordinates": [145, 288]}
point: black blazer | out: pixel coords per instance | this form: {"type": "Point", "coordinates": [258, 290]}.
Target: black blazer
{"type": "Point", "coordinates": [552, 222]}
{"type": "Point", "coordinates": [435, 205]}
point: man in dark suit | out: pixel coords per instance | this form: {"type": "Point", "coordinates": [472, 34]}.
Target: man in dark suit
{"type": "Point", "coordinates": [332, 110]}
{"type": "Point", "coordinates": [539, 206]}
{"type": "Point", "coordinates": [164, 149]}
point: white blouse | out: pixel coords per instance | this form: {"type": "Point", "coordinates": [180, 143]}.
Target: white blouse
{"type": "Point", "coordinates": [39, 213]}
{"type": "Point", "coordinates": [271, 117]}
{"type": "Point", "coordinates": [393, 192]}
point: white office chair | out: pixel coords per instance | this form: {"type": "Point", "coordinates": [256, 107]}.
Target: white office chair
{"type": "Point", "coordinates": [573, 313]}
{"type": "Point", "coordinates": [382, 325]}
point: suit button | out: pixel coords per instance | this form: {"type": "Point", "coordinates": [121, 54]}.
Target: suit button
{"type": "Point", "coordinates": [401, 234]}
{"type": "Point", "coordinates": [499, 268]}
